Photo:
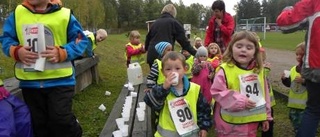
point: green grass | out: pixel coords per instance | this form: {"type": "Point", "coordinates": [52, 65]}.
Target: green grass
{"type": "Point", "coordinates": [112, 70]}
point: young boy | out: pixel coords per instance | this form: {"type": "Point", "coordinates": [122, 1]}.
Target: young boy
{"type": "Point", "coordinates": [48, 93]}
{"type": "Point", "coordinates": [94, 38]}
{"type": "Point", "coordinates": [189, 61]}
{"type": "Point", "coordinates": [134, 49]}
{"type": "Point", "coordinates": [183, 109]}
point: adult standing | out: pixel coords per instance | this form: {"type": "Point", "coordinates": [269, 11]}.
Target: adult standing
{"type": "Point", "coordinates": [47, 92]}
{"type": "Point", "coordinates": [166, 28]}
{"type": "Point", "coordinates": [305, 14]}
{"type": "Point", "coordinates": [220, 26]}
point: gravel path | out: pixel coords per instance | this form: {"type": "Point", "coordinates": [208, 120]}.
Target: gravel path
{"type": "Point", "coordinates": [280, 60]}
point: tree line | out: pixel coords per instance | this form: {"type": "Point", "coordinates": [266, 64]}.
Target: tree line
{"type": "Point", "coordinates": [133, 14]}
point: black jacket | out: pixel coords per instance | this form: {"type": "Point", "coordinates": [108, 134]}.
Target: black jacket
{"type": "Point", "coordinates": [166, 28]}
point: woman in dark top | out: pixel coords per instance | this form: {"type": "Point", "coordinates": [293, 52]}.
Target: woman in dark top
{"type": "Point", "coordinates": [166, 28]}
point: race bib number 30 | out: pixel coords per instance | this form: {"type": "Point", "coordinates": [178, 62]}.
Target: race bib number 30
{"type": "Point", "coordinates": [182, 116]}
{"type": "Point", "coordinates": [251, 87]}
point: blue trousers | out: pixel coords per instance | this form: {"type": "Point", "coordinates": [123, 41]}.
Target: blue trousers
{"type": "Point", "coordinates": [15, 120]}
{"type": "Point", "coordinates": [311, 116]}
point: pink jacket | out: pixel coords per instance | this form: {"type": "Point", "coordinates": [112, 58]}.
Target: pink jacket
{"type": "Point", "coordinates": [237, 102]}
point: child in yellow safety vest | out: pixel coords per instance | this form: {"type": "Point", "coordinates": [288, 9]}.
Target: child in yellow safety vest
{"type": "Point", "coordinates": [94, 38]}
{"type": "Point", "coordinates": [215, 55]}
{"type": "Point", "coordinates": [134, 49]}
{"type": "Point", "coordinates": [183, 109]}
{"type": "Point", "coordinates": [189, 61]}
{"type": "Point", "coordinates": [239, 89]}
{"type": "Point", "coordinates": [298, 93]}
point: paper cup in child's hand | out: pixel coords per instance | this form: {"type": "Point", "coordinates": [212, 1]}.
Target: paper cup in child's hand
{"type": "Point", "coordinates": [175, 81]}
{"type": "Point", "coordinates": [286, 73]}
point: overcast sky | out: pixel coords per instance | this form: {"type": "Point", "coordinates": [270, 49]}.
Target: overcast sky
{"type": "Point", "coordinates": [229, 4]}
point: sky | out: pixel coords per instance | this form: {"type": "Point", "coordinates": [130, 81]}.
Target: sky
{"type": "Point", "coordinates": [229, 4]}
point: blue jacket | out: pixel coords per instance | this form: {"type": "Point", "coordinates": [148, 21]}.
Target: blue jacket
{"type": "Point", "coordinates": [9, 38]}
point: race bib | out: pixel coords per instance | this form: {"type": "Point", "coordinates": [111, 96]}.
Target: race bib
{"type": "Point", "coordinates": [34, 36]}
{"type": "Point", "coordinates": [251, 87]}
{"type": "Point", "coordinates": [297, 88]}
{"type": "Point", "coordinates": [182, 117]}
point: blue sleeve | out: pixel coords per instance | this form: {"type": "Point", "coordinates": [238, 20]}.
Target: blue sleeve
{"type": "Point", "coordinates": [77, 42]}
{"type": "Point", "coordinates": [155, 98]}
{"type": "Point", "coordinates": [204, 113]}
{"type": "Point", "coordinates": [9, 36]}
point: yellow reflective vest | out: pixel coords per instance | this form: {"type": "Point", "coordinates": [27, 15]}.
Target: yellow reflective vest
{"type": "Point", "coordinates": [231, 73]}
{"type": "Point", "coordinates": [161, 77]}
{"type": "Point", "coordinates": [55, 26]}
{"type": "Point", "coordinates": [93, 40]}
{"type": "Point", "coordinates": [272, 99]}
{"type": "Point", "coordinates": [296, 99]}
{"type": "Point", "coordinates": [136, 58]}
{"type": "Point", "coordinates": [166, 127]}
{"type": "Point", "coordinates": [189, 62]}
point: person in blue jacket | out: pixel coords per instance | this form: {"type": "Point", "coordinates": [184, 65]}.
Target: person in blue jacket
{"type": "Point", "coordinates": [48, 93]}
{"type": "Point", "coordinates": [15, 119]}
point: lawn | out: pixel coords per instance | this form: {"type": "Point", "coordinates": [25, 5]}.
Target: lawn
{"type": "Point", "coordinates": [112, 70]}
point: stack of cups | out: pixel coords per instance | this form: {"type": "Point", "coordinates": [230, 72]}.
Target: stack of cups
{"type": "Point", "coordinates": [117, 133]}
{"type": "Point", "coordinates": [126, 108]}
{"type": "Point", "coordinates": [141, 111]}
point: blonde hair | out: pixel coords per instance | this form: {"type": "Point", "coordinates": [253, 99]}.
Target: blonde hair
{"type": "Point", "coordinates": [169, 8]}
{"type": "Point", "coordinates": [301, 46]}
{"type": "Point", "coordinates": [102, 32]}
{"type": "Point", "coordinates": [228, 58]}
{"type": "Point", "coordinates": [214, 45]}
{"type": "Point", "coordinates": [134, 34]}
{"type": "Point", "coordinates": [173, 55]}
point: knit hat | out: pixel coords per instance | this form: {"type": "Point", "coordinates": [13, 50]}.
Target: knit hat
{"type": "Point", "coordinates": [202, 51]}
{"type": "Point", "coordinates": [161, 46]}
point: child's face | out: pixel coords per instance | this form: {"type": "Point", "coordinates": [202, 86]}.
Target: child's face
{"type": "Point", "coordinates": [198, 43]}
{"type": "Point", "coordinates": [174, 66]}
{"type": "Point", "coordinates": [243, 52]}
{"type": "Point", "coordinates": [202, 58]}
{"type": "Point", "coordinates": [168, 48]}
{"type": "Point", "coordinates": [38, 3]}
{"type": "Point", "coordinates": [213, 50]}
{"type": "Point", "coordinates": [135, 40]}
{"type": "Point", "coordinates": [100, 38]}
{"type": "Point", "coordinates": [299, 54]}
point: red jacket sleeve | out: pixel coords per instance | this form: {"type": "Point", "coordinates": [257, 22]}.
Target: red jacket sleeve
{"type": "Point", "coordinates": [130, 51]}
{"type": "Point", "coordinates": [209, 32]}
{"type": "Point", "coordinates": [227, 27]}
{"type": "Point", "coordinates": [294, 16]}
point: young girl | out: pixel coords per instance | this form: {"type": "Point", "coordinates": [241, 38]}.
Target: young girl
{"type": "Point", "coordinates": [183, 109]}
{"type": "Point", "coordinates": [298, 93]}
{"type": "Point", "coordinates": [197, 43]}
{"type": "Point", "coordinates": [134, 49]}
{"type": "Point", "coordinates": [189, 61]}
{"type": "Point", "coordinates": [215, 54]}
{"type": "Point", "coordinates": [240, 90]}
{"type": "Point", "coordinates": [202, 72]}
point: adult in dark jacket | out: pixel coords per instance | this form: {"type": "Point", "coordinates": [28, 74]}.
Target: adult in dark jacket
{"type": "Point", "coordinates": [166, 28]}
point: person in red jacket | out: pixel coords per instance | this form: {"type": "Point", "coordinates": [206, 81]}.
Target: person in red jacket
{"type": "Point", "coordinates": [220, 26]}
{"type": "Point", "coordinates": [305, 15]}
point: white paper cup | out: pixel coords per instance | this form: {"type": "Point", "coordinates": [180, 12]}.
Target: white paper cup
{"type": "Point", "coordinates": [120, 122]}
{"type": "Point", "coordinates": [102, 107]}
{"type": "Point", "coordinates": [140, 115]}
{"type": "Point", "coordinates": [142, 105]}
{"type": "Point", "coordinates": [175, 81]}
{"type": "Point", "coordinates": [133, 94]}
{"type": "Point", "coordinates": [108, 93]}
{"type": "Point", "coordinates": [124, 130]}
{"type": "Point", "coordinates": [286, 73]}
{"type": "Point", "coordinates": [117, 133]}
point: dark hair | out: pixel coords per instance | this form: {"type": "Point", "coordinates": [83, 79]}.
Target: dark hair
{"type": "Point", "coordinates": [173, 55]}
{"type": "Point", "coordinates": [218, 4]}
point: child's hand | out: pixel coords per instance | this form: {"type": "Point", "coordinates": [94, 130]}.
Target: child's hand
{"type": "Point", "coordinates": [203, 133]}
{"type": "Point", "coordinates": [267, 65]}
{"type": "Point", "coordinates": [142, 49]}
{"type": "Point", "coordinates": [168, 82]}
{"type": "Point", "coordinates": [51, 53]}
{"type": "Point", "coordinates": [299, 79]}
{"type": "Point", "coordinates": [283, 76]}
{"type": "Point", "coordinates": [26, 56]}
{"type": "Point", "coordinates": [265, 126]}
{"type": "Point", "coordinates": [210, 76]}
{"type": "Point", "coordinates": [147, 90]}
{"type": "Point", "coordinates": [250, 104]}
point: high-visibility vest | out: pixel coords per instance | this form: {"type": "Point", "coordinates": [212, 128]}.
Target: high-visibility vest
{"type": "Point", "coordinates": [166, 127]}
{"type": "Point", "coordinates": [55, 24]}
{"type": "Point", "coordinates": [161, 77]}
{"type": "Point", "coordinates": [272, 99]}
{"type": "Point", "coordinates": [136, 58]}
{"type": "Point", "coordinates": [93, 40]}
{"type": "Point", "coordinates": [1, 82]}
{"type": "Point", "coordinates": [189, 63]}
{"type": "Point", "coordinates": [231, 73]}
{"type": "Point", "coordinates": [296, 99]}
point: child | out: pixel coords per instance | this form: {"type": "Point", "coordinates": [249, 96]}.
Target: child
{"type": "Point", "coordinates": [47, 93]}
{"type": "Point", "coordinates": [197, 43]}
{"type": "Point", "coordinates": [94, 38]}
{"type": "Point", "coordinates": [134, 49]}
{"type": "Point", "coordinates": [183, 109]}
{"type": "Point", "coordinates": [239, 89]}
{"type": "Point", "coordinates": [215, 54]}
{"type": "Point", "coordinates": [189, 61]}
{"type": "Point", "coordinates": [14, 116]}
{"type": "Point", "coordinates": [267, 69]}
{"type": "Point", "coordinates": [298, 93]}
{"type": "Point", "coordinates": [202, 72]}
{"type": "Point", "coordinates": [156, 76]}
